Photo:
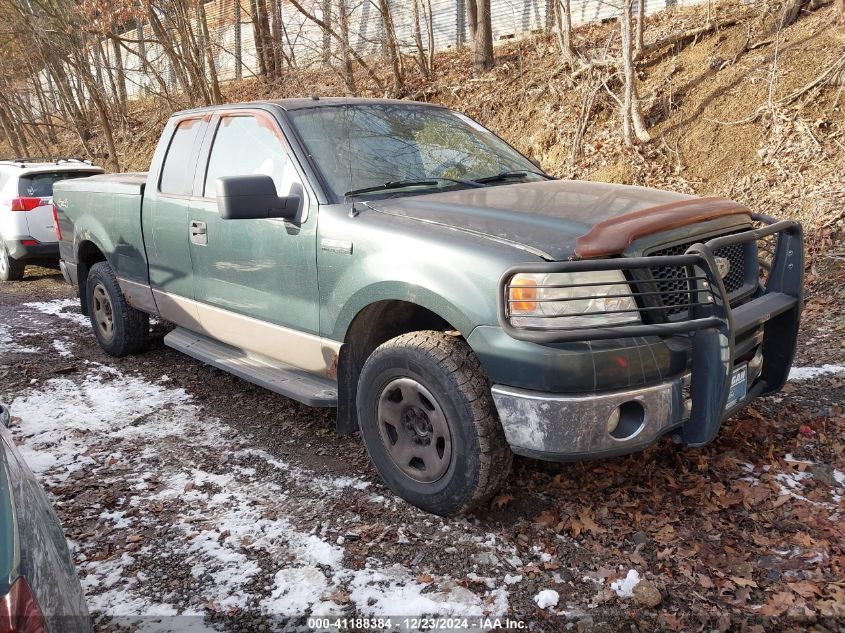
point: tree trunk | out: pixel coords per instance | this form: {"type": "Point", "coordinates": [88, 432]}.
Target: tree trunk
{"type": "Point", "coordinates": [238, 52]}
{"type": "Point", "coordinates": [170, 52]}
{"type": "Point", "coordinates": [347, 71]}
{"type": "Point", "coordinates": [640, 25]}
{"type": "Point", "coordinates": [10, 131]}
{"type": "Point", "coordinates": [392, 46]}
{"type": "Point", "coordinates": [120, 75]}
{"type": "Point", "coordinates": [214, 83]}
{"type": "Point", "coordinates": [483, 40]}
{"type": "Point", "coordinates": [422, 59]}
{"type": "Point", "coordinates": [100, 106]}
{"type": "Point", "coordinates": [326, 8]}
{"type": "Point", "coordinates": [563, 20]}
{"type": "Point", "coordinates": [633, 125]}
{"type": "Point", "coordinates": [472, 19]}
{"type": "Point", "coordinates": [278, 27]}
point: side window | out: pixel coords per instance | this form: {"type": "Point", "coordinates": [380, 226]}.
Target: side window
{"type": "Point", "coordinates": [245, 145]}
{"type": "Point", "coordinates": [176, 172]}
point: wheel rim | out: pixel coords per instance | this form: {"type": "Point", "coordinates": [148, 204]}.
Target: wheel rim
{"type": "Point", "coordinates": [414, 430]}
{"type": "Point", "coordinates": [4, 261]}
{"type": "Point", "coordinates": [102, 311]}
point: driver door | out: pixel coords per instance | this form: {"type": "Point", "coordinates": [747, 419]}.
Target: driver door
{"type": "Point", "coordinates": [256, 280]}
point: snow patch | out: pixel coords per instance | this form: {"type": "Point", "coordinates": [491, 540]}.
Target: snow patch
{"type": "Point", "coordinates": [295, 591]}
{"type": "Point", "coordinates": [230, 523]}
{"type": "Point", "coordinates": [547, 598]}
{"type": "Point", "coordinates": [8, 344]}
{"type": "Point", "coordinates": [394, 590]}
{"type": "Point", "coordinates": [58, 307]}
{"type": "Point", "coordinates": [624, 588]}
{"type": "Point", "coordinates": [63, 347]}
{"type": "Point", "coordinates": [808, 373]}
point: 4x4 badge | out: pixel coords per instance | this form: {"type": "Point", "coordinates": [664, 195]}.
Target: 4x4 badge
{"type": "Point", "coordinates": [723, 266]}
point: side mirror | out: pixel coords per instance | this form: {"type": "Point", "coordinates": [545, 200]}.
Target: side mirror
{"type": "Point", "coordinates": [253, 197]}
{"type": "Point", "coordinates": [5, 416]}
{"type": "Point", "coordinates": [537, 164]}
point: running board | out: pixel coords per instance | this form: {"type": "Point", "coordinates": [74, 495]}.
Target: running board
{"type": "Point", "coordinates": [264, 372]}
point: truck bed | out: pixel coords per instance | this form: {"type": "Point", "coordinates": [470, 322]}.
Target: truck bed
{"type": "Point", "coordinates": [105, 210]}
{"type": "Point", "coordinates": [131, 183]}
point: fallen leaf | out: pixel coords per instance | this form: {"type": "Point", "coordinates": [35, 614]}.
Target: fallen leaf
{"type": "Point", "coordinates": [743, 582]}
{"type": "Point", "coordinates": [546, 518]}
{"type": "Point", "coordinates": [777, 604]}
{"type": "Point", "coordinates": [500, 501]}
{"type": "Point", "coordinates": [589, 524]}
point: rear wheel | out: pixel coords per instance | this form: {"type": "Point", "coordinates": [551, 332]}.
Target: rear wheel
{"type": "Point", "coordinates": [429, 423]}
{"type": "Point", "coordinates": [120, 329]}
{"type": "Point", "coordinates": [10, 268]}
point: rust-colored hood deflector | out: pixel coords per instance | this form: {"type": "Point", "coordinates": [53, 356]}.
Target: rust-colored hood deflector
{"type": "Point", "coordinates": [614, 235]}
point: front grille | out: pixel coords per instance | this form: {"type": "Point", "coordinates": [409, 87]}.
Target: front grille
{"type": "Point", "coordinates": [672, 281]}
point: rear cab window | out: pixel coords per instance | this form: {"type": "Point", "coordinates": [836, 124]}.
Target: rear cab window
{"type": "Point", "coordinates": [177, 172]}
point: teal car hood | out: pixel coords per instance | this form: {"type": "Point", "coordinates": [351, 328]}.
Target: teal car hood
{"type": "Point", "coordinates": [544, 218]}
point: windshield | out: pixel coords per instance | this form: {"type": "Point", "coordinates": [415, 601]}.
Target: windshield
{"type": "Point", "coordinates": [412, 148]}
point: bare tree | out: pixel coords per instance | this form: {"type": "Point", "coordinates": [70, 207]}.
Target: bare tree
{"type": "Point", "coordinates": [479, 21]}
{"type": "Point", "coordinates": [563, 22]}
{"type": "Point", "coordinates": [348, 52]}
{"type": "Point", "coordinates": [633, 125]}
{"type": "Point", "coordinates": [424, 61]}
{"type": "Point", "coordinates": [640, 24]}
{"type": "Point", "coordinates": [391, 45]}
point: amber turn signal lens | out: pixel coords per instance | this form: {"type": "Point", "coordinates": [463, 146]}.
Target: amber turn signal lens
{"type": "Point", "coordinates": [523, 295]}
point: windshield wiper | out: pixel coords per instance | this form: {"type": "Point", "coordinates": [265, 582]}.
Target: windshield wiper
{"type": "Point", "coordinates": [506, 175]}
{"type": "Point", "coordinates": [399, 184]}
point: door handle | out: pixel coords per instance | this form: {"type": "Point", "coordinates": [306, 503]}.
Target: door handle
{"type": "Point", "coordinates": [198, 232]}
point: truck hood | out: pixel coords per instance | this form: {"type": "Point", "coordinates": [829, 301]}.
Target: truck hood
{"type": "Point", "coordinates": [545, 218]}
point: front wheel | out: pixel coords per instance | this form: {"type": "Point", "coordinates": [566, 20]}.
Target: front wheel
{"type": "Point", "coordinates": [120, 329]}
{"type": "Point", "coordinates": [10, 268]}
{"type": "Point", "coordinates": [429, 423]}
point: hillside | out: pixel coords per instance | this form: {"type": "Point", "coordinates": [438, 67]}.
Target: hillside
{"type": "Point", "coordinates": [713, 107]}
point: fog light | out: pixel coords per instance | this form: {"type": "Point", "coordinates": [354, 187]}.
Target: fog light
{"type": "Point", "coordinates": [613, 420]}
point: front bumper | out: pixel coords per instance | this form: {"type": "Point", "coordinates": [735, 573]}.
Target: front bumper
{"type": "Point", "coordinates": [761, 333]}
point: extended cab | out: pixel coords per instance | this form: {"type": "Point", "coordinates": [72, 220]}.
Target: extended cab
{"type": "Point", "coordinates": [400, 262]}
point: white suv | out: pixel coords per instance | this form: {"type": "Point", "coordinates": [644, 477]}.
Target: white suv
{"type": "Point", "coordinates": [28, 228]}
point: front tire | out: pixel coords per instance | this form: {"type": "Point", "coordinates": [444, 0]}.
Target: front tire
{"type": "Point", "coordinates": [120, 329]}
{"type": "Point", "coordinates": [10, 268]}
{"type": "Point", "coordinates": [429, 423]}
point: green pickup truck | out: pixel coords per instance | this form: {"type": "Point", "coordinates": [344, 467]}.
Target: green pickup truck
{"type": "Point", "coordinates": [400, 262]}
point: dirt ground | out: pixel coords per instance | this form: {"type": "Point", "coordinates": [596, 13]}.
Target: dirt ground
{"type": "Point", "coordinates": [196, 501]}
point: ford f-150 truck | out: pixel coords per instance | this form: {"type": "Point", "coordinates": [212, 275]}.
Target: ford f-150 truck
{"type": "Point", "coordinates": [400, 262]}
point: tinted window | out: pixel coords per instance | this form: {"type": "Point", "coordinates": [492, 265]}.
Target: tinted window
{"type": "Point", "coordinates": [246, 145]}
{"type": "Point", "coordinates": [177, 172]}
{"type": "Point", "coordinates": [41, 185]}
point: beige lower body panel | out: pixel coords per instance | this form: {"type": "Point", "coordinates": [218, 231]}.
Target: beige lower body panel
{"type": "Point", "coordinates": [138, 295]}
{"type": "Point", "coordinates": [302, 350]}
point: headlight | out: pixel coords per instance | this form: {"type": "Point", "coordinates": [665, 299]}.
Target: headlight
{"type": "Point", "coordinates": [571, 300]}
